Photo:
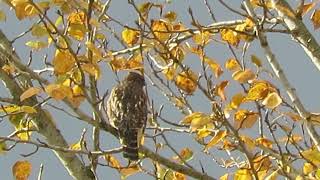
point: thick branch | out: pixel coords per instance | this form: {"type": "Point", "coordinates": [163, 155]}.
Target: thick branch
{"type": "Point", "coordinates": [299, 31]}
{"type": "Point", "coordinates": [283, 79]}
{"type": "Point", "coordinates": [42, 119]}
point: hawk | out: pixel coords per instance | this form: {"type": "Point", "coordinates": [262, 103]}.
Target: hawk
{"type": "Point", "coordinates": [127, 111]}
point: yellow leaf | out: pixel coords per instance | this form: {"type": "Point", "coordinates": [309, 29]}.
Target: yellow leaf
{"type": "Point", "coordinates": [202, 133]}
{"type": "Point", "coordinates": [128, 171]}
{"type": "Point", "coordinates": [28, 109]}
{"type": "Point", "coordinates": [257, 92]}
{"type": "Point", "coordinates": [21, 170]}
{"type": "Point", "coordinates": [76, 146]}
{"type": "Point", "coordinates": [196, 120]}
{"type": "Point", "coordinates": [224, 177]}
{"type": "Point", "coordinates": [307, 7]}
{"type": "Point", "coordinates": [186, 154]}
{"type": "Point", "coordinates": [58, 92]}
{"type": "Point", "coordinates": [39, 30]}
{"type": "Point", "coordinates": [243, 76]}
{"type": "Point", "coordinates": [228, 146]}
{"type": "Point", "coordinates": [187, 81]}
{"type": "Point", "coordinates": [92, 70]}
{"type": "Point", "coordinates": [216, 139]}
{"type": "Point", "coordinates": [272, 176]}
{"type": "Point", "coordinates": [130, 36]}
{"type": "Point", "coordinates": [179, 176]}
{"type": "Point", "coordinates": [29, 93]}
{"type": "Point", "coordinates": [9, 68]}
{"type": "Point", "coordinates": [230, 37]}
{"type": "Point", "coordinates": [36, 45]}
{"type": "Point", "coordinates": [249, 143]}
{"type": "Point", "coordinates": [3, 147]}
{"type": "Point", "coordinates": [308, 168]}
{"type": "Point", "coordinates": [243, 174]}
{"type": "Point", "coordinates": [169, 72]}
{"type": "Point", "coordinates": [171, 16]}
{"type": "Point", "coordinates": [232, 65]}
{"type": "Point", "coordinates": [220, 89]}
{"type": "Point", "coordinates": [264, 142]}
{"type": "Point", "coordinates": [294, 138]}
{"type": "Point", "coordinates": [97, 55]}
{"type": "Point", "coordinates": [312, 155]}
{"type": "Point", "coordinates": [202, 38]}
{"type": "Point", "coordinates": [161, 29]}
{"type": "Point", "coordinates": [293, 116]}
{"type": "Point", "coordinates": [255, 60]}
{"type": "Point", "coordinates": [24, 9]}
{"type": "Point", "coordinates": [315, 18]}
{"type": "Point", "coordinates": [2, 16]}
{"type": "Point", "coordinates": [215, 67]}
{"type": "Point", "coordinates": [272, 101]}
{"type": "Point", "coordinates": [247, 26]}
{"type": "Point", "coordinates": [113, 162]}
{"type": "Point", "coordinates": [63, 62]}
{"type": "Point", "coordinates": [245, 119]}
{"type": "Point", "coordinates": [9, 109]}
{"type": "Point", "coordinates": [77, 28]}
{"type": "Point", "coordinates": [236, 100]}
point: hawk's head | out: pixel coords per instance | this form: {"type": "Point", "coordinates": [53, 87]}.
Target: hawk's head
{"type": "Point", "coordinates": [136, 78]}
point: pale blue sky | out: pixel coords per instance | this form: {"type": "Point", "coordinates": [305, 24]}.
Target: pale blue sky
{"type": "Point", "coordinates": [295, 63]}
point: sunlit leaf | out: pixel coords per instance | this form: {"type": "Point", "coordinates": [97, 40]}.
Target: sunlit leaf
{"type": "Point", "coordinates": [312, 155]}
{"type": "Point", "coordinates": [161, 29]}
{"type": "Point", "coordinates": [230, 37]}
{"type": "Point", "coordinates": [77, 27]}
{"type": "Point", "coordinates": [229, 146]}
{"type": "Point", "coordinates": [272, 101]}
{"type": "Point", "coordinates": [39, 30]}
{"type": "Point", "coordinates": [187, 81]}
{"type": "Point", "coordinates": [128, 171]}
{"type": "Point", "coordinates": [214, 66]}
{"type": "Point", "coordinates": [21, 170]}
{"type": "Point", "coordinates": [308, 168]}
{"type": "Point", "coordinates": [307, 7]}
{"type": "Point", "coordinates": [243, 174]}
{"type": "Point", "coordinates": [63, 62]}
{"type": "Point", "coordinates": [257, 92]}
{"type": "Point", "coordinates": [202, 38]}
{"type": "Point", "coordinates": [28, 109]}
{"type": "Point", "coordinates": [224, 177]}
{"type": "Point", "coordinates": [245, 118]}
{"type": "Point", "coordinates": [249, 143]}
{"type": "Point", "coordinates": [236, 100]}
{"type": "Point", "coordinates": [130, 36]}
{"type": "Point", "coordinates": [24, 8]}
{"type": "Point", "coordinates": [216, 139]}
{"type": "Point", "coordinates": [255, 60]}
{"type": "Point", "coordinates": [169, 72]}
{"type": "Point", "coordinates": [186, 154]}
{"type": "Point", "coordinates": [315, 18]}
{"type": "Point", "coordinates": [264, 142]}
{"type": "Point", "coordinates": [171, 16]}
{"type": "Point", "coordinates": [3, 147]}
{"type": "Point", "coordinates": [58, 92]}
{"type": "Point", "coordinates": [196, 120]}
{"type": "Point", "coordinates": [243, 76]}
{"type": "Point", "coordinates": [203, 132]}
{"type": "Point", "coordinates": [232, 65]}
{"type": "Point", "coordinates": [220, 89]}
{"type": "Point", "coordinates": [76, 146]}
{"type": "Point", "coordinates": [37, 45]}
{"type": "Point", "coordinates": [2, 16]}
{"type": "Point", "coordinates": [29, 93]}
{"type": "Point", "coordinates": [92, 70]}
{"type": "Point", "coordinates": [113, 162]}
{"type": "Point", "coordinates": [97, 55]}
{"type": "Point", "coordinates": [272, 176]}
{"type": "Point", "coordinates": [9, 68]}
{"type": "Point", "coordinates": [294, 138]}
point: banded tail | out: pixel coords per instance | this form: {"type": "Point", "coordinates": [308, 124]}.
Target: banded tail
{"type": "Point", "coordinates": [130, 144]}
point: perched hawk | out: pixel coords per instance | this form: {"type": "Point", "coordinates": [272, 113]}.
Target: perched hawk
{"type": "Point", "coordinates": [127, 111]}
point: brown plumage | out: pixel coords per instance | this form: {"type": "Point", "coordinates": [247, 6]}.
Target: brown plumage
{"type": "Point", "coordinates": [127, 111]}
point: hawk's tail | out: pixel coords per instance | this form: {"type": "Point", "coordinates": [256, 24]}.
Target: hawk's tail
{"type": "Point", "coordinates": [131, 144]}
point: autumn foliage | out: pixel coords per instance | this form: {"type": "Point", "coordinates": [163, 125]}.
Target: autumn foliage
{"type": "Point", "coordinates": [260, 129]}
